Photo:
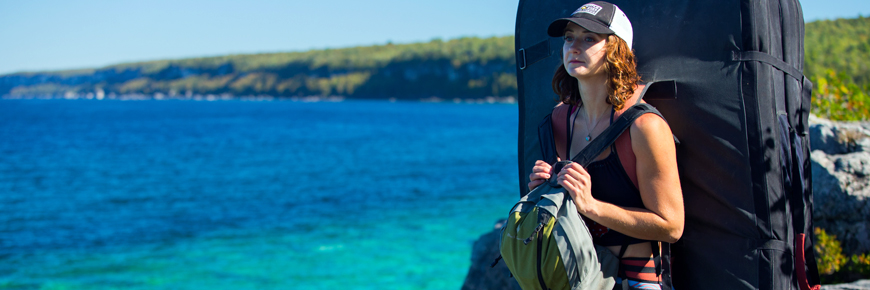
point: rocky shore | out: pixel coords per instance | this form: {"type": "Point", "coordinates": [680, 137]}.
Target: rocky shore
{"type": "Point", "coordinates": [841, 195]}
{"type": "Point", "coordinates": [841, 181]}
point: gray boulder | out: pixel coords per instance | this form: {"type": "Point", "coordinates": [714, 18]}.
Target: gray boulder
{"type": "Point", "coordinates": [838, 137]}
{"type": "Point", "coordinates": [857, 285]}
{"type": "Point", "coordinates": [841, 182]}
{"type": "Point", "coordinates": [480, 275]}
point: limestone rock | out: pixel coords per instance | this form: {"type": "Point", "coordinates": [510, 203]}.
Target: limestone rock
{"type": "Point", "coordinates": [841, 182]}
{"type": "Point", "coordinates": [838, 137]}
{"type": "Point", "coordinates": [857, 285]}
{"type": "Point", "coordinates": [480, 275]}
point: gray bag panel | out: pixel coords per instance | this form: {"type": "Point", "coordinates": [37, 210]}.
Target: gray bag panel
{"type": "Point", "coordinates": [592, 266]}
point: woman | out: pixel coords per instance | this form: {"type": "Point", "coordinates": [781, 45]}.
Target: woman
{"type": "Point", "coordinates": [630, 196]}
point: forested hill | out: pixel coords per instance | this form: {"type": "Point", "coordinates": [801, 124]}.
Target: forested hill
{"type": "Point", "coordinates": [842, 46]}
{"type": "Point", "coordinates": [837, 57]}
{"type": "Point", "coordinates": [837, 60]}
{"type": "Point", "coordinates": [460, 68]}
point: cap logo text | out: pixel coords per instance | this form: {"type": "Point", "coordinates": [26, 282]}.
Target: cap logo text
{"type": "Point", "coordinates": [589, 9]}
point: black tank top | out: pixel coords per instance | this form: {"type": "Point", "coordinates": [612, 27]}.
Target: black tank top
{"type": "Point", "coordinates": [611, 184]}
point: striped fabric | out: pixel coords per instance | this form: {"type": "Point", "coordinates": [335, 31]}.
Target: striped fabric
{"type": "Point", "coordinates": [638, 285]}
{"type": "Point", "coordinates": [640, 269]}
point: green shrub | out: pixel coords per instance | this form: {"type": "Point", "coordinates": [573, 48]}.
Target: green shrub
{"type": "Point", "coordinates": [842, 45]}
{"type": "Point", "coordinates": [828, 252]}
{"type": "Point", "coordinates": [858, 266]}
{"type": "Point", "coordinates": [834, 267]}
{"type": "Point", "coordinates": [837, 97]}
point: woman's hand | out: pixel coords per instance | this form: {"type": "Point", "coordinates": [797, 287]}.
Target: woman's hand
{"type": "Point", "coordinates": [540, 174]}
{"type": "Point", "coordinates": [577, 182]}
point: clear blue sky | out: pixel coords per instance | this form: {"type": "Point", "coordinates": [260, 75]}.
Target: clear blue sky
{"type": "Point", "coordinates": [53, 34]}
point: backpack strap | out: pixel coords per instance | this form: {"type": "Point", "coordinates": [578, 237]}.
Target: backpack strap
{"type": "Point", "coordinates": [662, 260]}
{"type": "Point", "coordinates": [588, 154]}
{"type": "Point", "coordinates": [621, 271]}
{"type": "Point", "coordinates": [532, 54]}
{"type": "Point", "coordinates": [545, 138]}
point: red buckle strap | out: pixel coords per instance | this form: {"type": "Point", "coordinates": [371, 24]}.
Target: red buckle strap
{"type": "Point", "coordinates": [801, 264]}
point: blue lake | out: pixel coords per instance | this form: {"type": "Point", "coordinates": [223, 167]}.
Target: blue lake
{"type": "Point", "coordinates": [249, 195]}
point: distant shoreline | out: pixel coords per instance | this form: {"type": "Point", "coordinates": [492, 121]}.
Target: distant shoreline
{"type": "Point", "coordinates": [228, 97]}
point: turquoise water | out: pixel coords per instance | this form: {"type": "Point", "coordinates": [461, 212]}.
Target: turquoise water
{"type": "Point", "coordinates": [249, 195]}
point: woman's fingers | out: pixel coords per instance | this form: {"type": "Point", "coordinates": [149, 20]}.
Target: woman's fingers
{"type": "Point", "coordinates": [541, 166]}
{"type": "Point", "coordinates": [535, 183]}
{"type": "Point", "coordinates": [539, 176]}
{"type": "Point", "coordinates": [573, 176]}
{"type": "Point", "coordinates": [540, 171]}
{"type": "Point", "coordinates": [568, 184]}
{"type": "Point", "coordinates": [576, 170]}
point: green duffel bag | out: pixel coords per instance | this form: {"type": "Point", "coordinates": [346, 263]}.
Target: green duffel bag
{"type": "Point", "coordinates": [545, 251]}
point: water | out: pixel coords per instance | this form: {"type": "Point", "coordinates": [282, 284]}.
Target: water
{"type": "Point", "coordinates": [249, 195]}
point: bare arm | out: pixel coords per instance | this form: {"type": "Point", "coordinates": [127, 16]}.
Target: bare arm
{"type": "Point", "coordinates": [658, 182]}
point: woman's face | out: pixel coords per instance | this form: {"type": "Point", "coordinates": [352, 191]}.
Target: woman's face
{"type": "Point", "coordinates": [583, 52]}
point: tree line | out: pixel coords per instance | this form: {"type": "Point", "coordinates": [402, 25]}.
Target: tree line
{"type": "Point", "coordinates": [466, 68]}
{"type": "Point", "coordinates": [837, 60]}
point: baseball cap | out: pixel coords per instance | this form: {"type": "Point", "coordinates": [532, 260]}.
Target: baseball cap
{"type": "Point", "coordinates": [600, 17]}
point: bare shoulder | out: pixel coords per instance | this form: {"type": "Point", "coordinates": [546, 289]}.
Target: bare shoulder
{"type": "Point", "coordinates": [651, 123]}
{"type": "Point", "coordinates": [652, 131]}
{"type": "Point", "coordinates": [560, 111]}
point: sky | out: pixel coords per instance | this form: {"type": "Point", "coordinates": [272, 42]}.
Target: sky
{"type": "Point", "coordinates": [39, 35]}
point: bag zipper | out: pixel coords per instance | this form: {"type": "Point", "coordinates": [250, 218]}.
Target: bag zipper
{"type": "Point", "coordinates": [543, 218]}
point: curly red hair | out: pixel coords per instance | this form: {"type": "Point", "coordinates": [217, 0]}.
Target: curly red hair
{"type": "Point", "coordinates": [621, 69]}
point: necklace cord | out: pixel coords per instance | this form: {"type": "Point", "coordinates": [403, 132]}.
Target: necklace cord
{"type": "Point", "coordinates": [570, 126]}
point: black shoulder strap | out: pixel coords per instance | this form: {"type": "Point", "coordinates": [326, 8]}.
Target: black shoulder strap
{"type": "Point", "coordinates": [548, 146]}
{"type": "Point", "coordinates": [532, 54]}
{"type": "Point", "coordinates": [545, 138]}
{"type": "Point", "coordinates": [588, 154]}
{"type": "Point", "coordinates": [662, 260]}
